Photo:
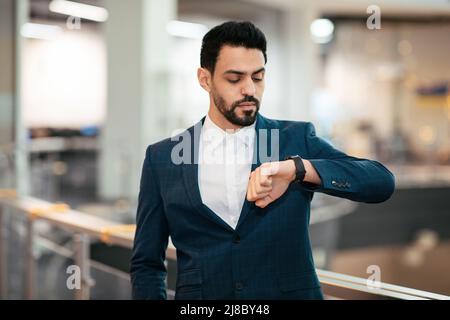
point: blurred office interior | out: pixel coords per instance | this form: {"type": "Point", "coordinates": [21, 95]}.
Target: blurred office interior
{"type": "Point", "coordinates": [86, 85]}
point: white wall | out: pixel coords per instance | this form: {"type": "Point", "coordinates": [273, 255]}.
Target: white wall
{"type": "Point", "coordinates": [64, 79]}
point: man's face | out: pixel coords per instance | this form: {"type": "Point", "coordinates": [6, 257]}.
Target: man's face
{"type": "Point", "coordinates": [238, 84]}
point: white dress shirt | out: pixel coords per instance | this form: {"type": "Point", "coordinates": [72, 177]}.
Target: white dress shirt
{"type": "Point", "coordinates": [225, 161]}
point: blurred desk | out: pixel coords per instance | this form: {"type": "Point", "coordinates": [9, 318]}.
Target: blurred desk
{"type": "Point", "coordinates": [58, 144]}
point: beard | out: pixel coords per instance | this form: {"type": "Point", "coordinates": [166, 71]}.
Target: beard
{"type": "Point", "coordinates": [230, 113]}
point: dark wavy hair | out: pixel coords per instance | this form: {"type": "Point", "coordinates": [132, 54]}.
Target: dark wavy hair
{"type": "Point", "coordinates": [233, 33]}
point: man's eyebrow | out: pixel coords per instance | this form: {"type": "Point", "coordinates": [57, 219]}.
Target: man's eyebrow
{"type": "Point", "coordinates": [242, 72]}
{"type": "Point", "coordinates": [259, 70]}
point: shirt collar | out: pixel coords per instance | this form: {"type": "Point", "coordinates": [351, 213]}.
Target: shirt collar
{"type": "Point", "coordinates": [215, 135]}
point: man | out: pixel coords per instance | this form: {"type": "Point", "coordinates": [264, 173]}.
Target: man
{"type": "Point", "coordinates": [239, 223]}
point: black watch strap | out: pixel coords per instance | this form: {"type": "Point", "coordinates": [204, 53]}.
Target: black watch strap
{"type": "Point", "coordinates": [299, 168]}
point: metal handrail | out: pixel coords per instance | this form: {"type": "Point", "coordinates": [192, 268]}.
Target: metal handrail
{"type": "Point", "coordinates": [86, 227]}
{"type": "Point", "coordinates": [379, 289]}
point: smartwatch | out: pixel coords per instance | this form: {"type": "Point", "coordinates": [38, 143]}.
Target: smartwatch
{"type": "Point", "coordinates": [299, 168]}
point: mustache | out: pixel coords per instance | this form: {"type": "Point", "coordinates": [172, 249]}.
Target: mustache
{"type": "Point", "coordinates": [246, 99]}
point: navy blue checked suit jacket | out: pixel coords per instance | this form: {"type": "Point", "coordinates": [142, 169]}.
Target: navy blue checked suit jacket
{"type": "Point", "coordinates": [268, 255]}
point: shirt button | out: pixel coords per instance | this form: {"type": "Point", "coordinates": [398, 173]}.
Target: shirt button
{"type": "Point", "coordinates": [237, 238]}
{"type": "Point", "coordinates": [239, 286]}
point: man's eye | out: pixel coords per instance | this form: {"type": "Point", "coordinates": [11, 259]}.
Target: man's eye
{"type": "Point", "coordinates": [257, 79]}
{"type": "Point", "coordinates": [233, 81]}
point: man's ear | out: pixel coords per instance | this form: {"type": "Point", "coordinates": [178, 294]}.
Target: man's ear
{"type": "Point", "coordinates": [204, 78]}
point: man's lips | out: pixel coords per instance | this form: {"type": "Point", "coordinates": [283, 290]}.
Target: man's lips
{"type": "Point", "coordinates": [247, 106]}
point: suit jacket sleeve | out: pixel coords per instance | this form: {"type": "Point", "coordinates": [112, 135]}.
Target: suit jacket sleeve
{"type": "Point", "coordinates": [344, 176]}
{"type": "Point", "coordinates": [147, 268]}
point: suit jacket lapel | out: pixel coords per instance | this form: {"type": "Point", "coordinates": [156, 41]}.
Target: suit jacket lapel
{"type": "Point", "coordinates": [190, 177]}
{"type": "Point", "coordinates": [262, 131]}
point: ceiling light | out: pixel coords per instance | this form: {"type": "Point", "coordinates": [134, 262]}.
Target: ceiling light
{"type": "Point", "coordinates": [322, 30]}
{"type": "Point", "coordinates": [186, 29]}
{"type": "Point", "coordinates": [40, 31]}
{"type": "Point", "coordinates": [81, 10]}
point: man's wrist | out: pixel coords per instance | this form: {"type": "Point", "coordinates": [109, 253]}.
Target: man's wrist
{"type": "Point", "coordinates": [299, 168]}
{"type": "Point", "coordinates": [307, 166]}
{"type": "Point", "coordinates": [311, 175]}
{"type": "Point", "coordinates": [292, 170]}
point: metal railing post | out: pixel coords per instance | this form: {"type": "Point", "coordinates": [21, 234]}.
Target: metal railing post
{"type": "Point", "coordinates": [3, 256]}
{"type": "Point", "coordinates": [81, 258]}
{"type": "Point", "coordinates": [29, 259]}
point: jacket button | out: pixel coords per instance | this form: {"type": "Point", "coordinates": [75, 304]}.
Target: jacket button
{"type": "Point", "coordinates": [239, 286]}
{"type": "Point", "coordinates": [237, 238]}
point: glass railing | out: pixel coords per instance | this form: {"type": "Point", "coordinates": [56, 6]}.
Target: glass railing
{"type": "Point", "coordinates": [85, 228]}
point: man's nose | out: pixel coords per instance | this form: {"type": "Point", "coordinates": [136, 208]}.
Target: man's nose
{"type": "Point", "coordinates": [249, 88]}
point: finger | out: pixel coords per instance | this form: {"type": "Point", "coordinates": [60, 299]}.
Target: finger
{"type": "Point", "coordinates": [270, 168]}
{"type": "Point", "coordinates": [251, 188]}
{"type": "Point", "coordinates": [257, 173]}
{"type": "Point", "coordinates": [261, 196]}
{"type": "Point", "coordinates": [258, 187]}
{"type": "Point", "coordinates": [262, 189]}
{"type": "Point", "coordinates": [249, 196]}
{"type": "Point", "coordinates": [262, 203]}
{"type": "Point", "coordinates": [265, 181]}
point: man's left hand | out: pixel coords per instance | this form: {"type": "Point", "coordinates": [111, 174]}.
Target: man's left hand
{"type": "Point", "coordinates": [271, 180]}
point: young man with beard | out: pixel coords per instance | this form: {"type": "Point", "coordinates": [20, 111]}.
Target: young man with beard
{"type": "Point", "coordinates": [237, 206]}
